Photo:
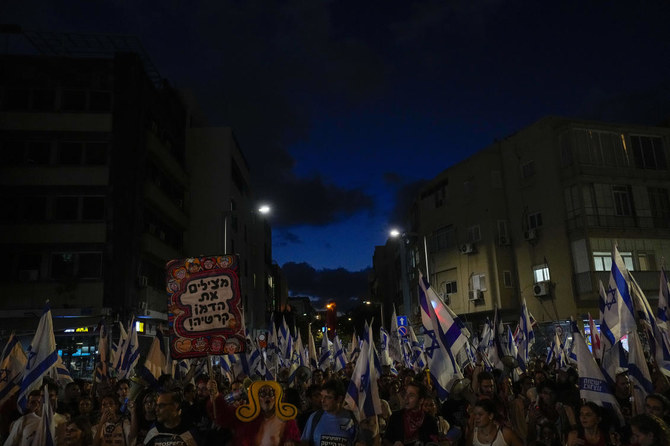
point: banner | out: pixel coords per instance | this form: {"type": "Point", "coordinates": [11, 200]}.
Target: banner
{"type": "Point", "coordinates": [204, 307]}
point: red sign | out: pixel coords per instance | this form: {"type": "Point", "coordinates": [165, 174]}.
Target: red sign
{"type": "Point", "coordinates": [204, 306]}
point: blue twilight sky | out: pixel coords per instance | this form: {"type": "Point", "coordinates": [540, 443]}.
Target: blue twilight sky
{"type": "Point", "coordinates": [343, 106]}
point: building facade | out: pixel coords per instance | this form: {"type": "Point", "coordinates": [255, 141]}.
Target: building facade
{"type": "Point", "coordinates": [535, 216]}
{"type": "Point", "coordinates": [107, 177]}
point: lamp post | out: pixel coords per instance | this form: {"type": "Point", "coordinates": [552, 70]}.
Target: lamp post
{"type": "Point", "coordinates": [404, 240]}
{"type": "Point", "coordinates": [381, 310]}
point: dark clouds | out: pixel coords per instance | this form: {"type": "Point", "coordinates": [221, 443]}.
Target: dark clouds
{"type": "Point", "coordinates": [339, 284]}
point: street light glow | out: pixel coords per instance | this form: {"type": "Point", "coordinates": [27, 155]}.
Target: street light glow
{"type": "Point", "coordinates": [264, 209]}
{"type": "Point", "coordinates": [394, 233]}
{"type": "Point", "coordinates": [367, 302]}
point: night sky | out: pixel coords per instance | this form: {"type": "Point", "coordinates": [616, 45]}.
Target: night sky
{"type": "Point", "coordinates": [343, 108]}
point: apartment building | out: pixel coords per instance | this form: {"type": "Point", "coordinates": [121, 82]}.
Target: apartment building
{"type": "Point", "coordinates": [106, 176]}
{"type": "Point", "coordinates": [535, 216]}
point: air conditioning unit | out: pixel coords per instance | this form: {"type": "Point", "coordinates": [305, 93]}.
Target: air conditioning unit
{"type": "Point", "coordinates": [467, 248]}
{"type": "Point", "coordinates": [541, 289]}
{"type": "Point", "coordinates": [29, 275]}
{"type": "Point", "coordinates": [475, 295]}
{"type": "Point", "coordinates": [503, 240]}
{"type": "Point", "coordinates": [143, 281]}
{"type": "Point", "coordinates": [530, 235]}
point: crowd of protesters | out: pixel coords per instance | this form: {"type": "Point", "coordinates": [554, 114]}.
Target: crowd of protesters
{"type": "Point", "coordinates": [539, 408]}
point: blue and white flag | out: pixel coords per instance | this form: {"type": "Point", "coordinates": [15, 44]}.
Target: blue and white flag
{"type": "Point", "coordinates": [384, 355]}
{"type": "Point", "coordinates": [42, 356]}
{"type": "Point", "coordinates": [119, 348]}
{"type": "Point", "coordinates": [130, 353]}
{"type": "Point", "coordinates": [592, 384]}
{"type": "Point", "coordinates": [510, 345]}
{"type": "Point", "coordinates": [618, 290]}
{"type": "Point", "coordinates": [395, 350]}
{"type": "Point", "coordinates": [340, 354]}
{"type": "Point", "coordinates": [102, 368]}
{"type": "Point", "coordinates": [362, 396]}
{"type": "Point", "coordinates": [526, 335]}
{"type": "Point", "coordinates": [311, 349]}
{"type": "Point", "coordinates": [59, 373]}
{"type": "Point", "coordinates": [442, 335]}
{"type": "Point", "coordinates": [45, 434]}
{"type": "Point", "coordinates": [418, 362]}
{"type": "Point", "coordinates": [156, 362]}
{"type": "Point", "coordinates": [662, 353]}
{"type": "Point", "coordinates": [354, 347]}
{"type": "Point", "coordinates": [638, 372]}
{"type": "Point", "coordinates": [325, 355]}
{"type": "Point", "coordinates": [12, 365]}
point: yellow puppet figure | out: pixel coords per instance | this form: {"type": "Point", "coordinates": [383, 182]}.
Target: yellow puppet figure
{"type": "Point", "coordinates": [267, 420]}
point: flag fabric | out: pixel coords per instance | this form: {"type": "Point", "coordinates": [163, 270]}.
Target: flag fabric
{"type": "Point", "coordinates": [417, 360]}
{"type": "Point", "coordinates": [156, 362]}
{"type": "Point", "coordinates": [662, 353]}
{"type": "Point", "coordinates": [618, 290]}
{"type": "Point", "coordinates": [446, 340]}
{"type": "Point", "coordinates": [45, 434]}
{"type": "Point", "coordinates": [609, 317]}
{"type": "Point", "coordinates": [340, 355]}
{"type": "Point", "coordinates": [638, 372]}
{"type": "Point", "coordinates": [311, 349]}
{"type": "Point", "coordinates": [354, 347]}
{"type": "Point", "coordinates": [130, 353]}
{"type": "Point", "coordinates": [451, 324]}
{"type": "Point", "coordinates": [42, 356]}
{"type": "Point", "coordinates": [526, 335]}
{"type": "Point", "coordinates": [362, 396]}
{"type": "Point", "coordinates": [595, 339]}
{"type": "Point", "coordinates": [592, 384]}
{"type": "Point", "coordinates": [59, 372]}
{"type": "Point", "coordinates": [510, 345]}
{"type": "Point", "coordinates": [395, 349]}
{"type": "Point", "coordinates": [102, 371]}
{"type": "Point", "coordinates": [118, 349]}
{"type": "Point", "coordinates": [325, 354]}
{"type": "Point", "coordinates": [12, 364]}
{"type": "Point", "coordinates": [384, 355]}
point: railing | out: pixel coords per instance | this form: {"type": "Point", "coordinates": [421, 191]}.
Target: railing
{"type": "Point", "coordinates": [587, 282]}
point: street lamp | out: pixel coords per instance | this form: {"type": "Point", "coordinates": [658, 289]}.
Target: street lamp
{"type": "Point", "coordinates": [263, 209]}
{"type": "Point", "coordinates": [381, 310]}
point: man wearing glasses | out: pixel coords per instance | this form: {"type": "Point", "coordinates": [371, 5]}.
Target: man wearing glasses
{"type": "Point", "coordinates": [170, 429]}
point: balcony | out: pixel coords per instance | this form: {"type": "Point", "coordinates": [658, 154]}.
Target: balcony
{"type": "Point", "coordinates": [616, 222]}
{"type": "Point", "coordinates": [586, 284]}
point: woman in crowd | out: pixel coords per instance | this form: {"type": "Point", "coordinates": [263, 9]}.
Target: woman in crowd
{"type": "Point", "coordinates": [142, 416]}
{"type": "Point", "coordinates": [487, 430]}
{"type": "Point", "coordinates": [589, 432]}
{"type": "Point", "coordinates": [78, 432]}
{"type": "Point", "coordinates": [648, 430]}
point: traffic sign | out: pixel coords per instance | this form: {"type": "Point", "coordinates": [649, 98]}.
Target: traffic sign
{"type": "Point", "coordinates": [402, 321]}
{"type": "Point", "coordinates": [402, 330]}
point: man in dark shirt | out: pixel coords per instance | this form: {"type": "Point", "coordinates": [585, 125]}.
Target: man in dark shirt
{"type": "Point", "coordinates": [411, 424]}
{"type": "Point", "coordinates": [170, 429]}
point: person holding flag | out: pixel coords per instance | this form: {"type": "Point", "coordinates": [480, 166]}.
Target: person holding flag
{"type": "Point", "coordinates": [23, 430]}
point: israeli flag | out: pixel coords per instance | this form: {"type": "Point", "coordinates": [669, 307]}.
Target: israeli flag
{"type": "Point", "coordinates": [526, 335]}
{"type": "Point", "coordinates": [156, 362]}
{"type": "Point", "coordinates": [638, 372]}
{"type": "Point", "coordinates": [130, 353]}
{"type": "Point", "coordinates": [362, 396]}
{"type": "Point", "coordinates": [596, 347]}
{"type": "Point", "coordinates": [443, 338]}
{"type": "Point", "coordinates": [385, 357]}
{"type": "Point", "coordinates": [102, 371]}
{"type": "Point", "coordinates": [662, 353]}
{"type": "Point", "coordinates": [618, 290]}
{"type": "Point", "coordinates": [118, 349]}
{"type": "Point", "coordinates": [311, 349]}
{"type": "Point", "coordinates": [12, 365]}
{"type": "Point", "coordinates": [340, 359]}
{"type": "Point", "coordinates": [59, 373]}
{"type": "Point", "coordinates": [45, 434]}
{"type": "Point", "coordinates": [324, 359]}
{"type": "Point", "coordinates": [395, 350]}
{"type": "Point", "coordinates": [417, 351]}
{"type": "Point", "coordinates": [42, 356]}
{"type": "Point", "coordinates": [592, 384]}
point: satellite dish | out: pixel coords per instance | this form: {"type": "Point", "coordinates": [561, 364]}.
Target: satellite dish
{"type": "Point", "coordinates": [510, 362]}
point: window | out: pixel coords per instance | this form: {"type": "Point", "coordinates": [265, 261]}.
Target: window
{"type": "Point", "coordinates": [93, 208]}
{"type": "Point", "coordinates": [69, 153]}
{"type": "Point", "coordinates": [43, 99]}
{"type": "Point", "coordinates": [96, 153]}
{"type": "Point", "coordinates": [474, 233]}
{"type": "Point", "coordinates": [66, 208]}
{"type": "Point", "coordinates": [507, 279]}
{"type": "Point", "coordinates": [535, 220]}
{"type": "Point", "coordinates": [450, 287]}
{"type": "Point", "coordinates": [528, 169]}
{"type": "Point", "coordinates": [13, 152]}
{"type": "Point", "coordinates": [602, 260]}
{"type": "Point", "coordinates": [648, 152]}
{"type": "Point", "coordinates": [541, 273]}
{"type": "Point", "coordinates": [503, 238]}
{"type": "Point", "coordinates": [73, 100]}
{"type": "Point", "coordinates": [35, 209]}
{"type": "Point", "coordinates": [647, 261]}
{"type": "Point", "coordinates": [660, 206]}
{"type": "Point", "coordinates": [443, 239]}
{"type": "Point", "coordinates": [479, 282]}
{"type": "Point", "coordinates": [439, 197]}
{"type": "Point", "coordinates": [100, 101]}
{"type": "Point", "coordinates": [39, 152]}
{"type": "Point", "coordinates": [623, 203]}
{"type": "Point", "coordinates": [82, 265]}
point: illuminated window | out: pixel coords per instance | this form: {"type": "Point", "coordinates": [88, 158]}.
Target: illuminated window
{"type": "Point", "coordinates": [541, 273]}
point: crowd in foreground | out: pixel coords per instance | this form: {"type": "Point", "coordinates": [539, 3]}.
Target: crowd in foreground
{"type": "Point", "coordinates": [539, 408]}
